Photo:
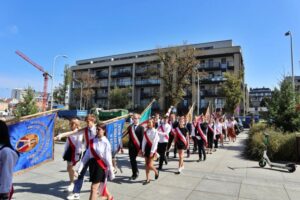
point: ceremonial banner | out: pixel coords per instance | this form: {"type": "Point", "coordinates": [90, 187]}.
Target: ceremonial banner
{"type": "Point", "coordinates": [114, 134]}
{"type": "Point", "coordinates": [146, 114]}
{"type": "Point", "coordinates": [33, 139]}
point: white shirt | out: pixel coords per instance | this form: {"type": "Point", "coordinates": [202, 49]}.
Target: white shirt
{"type": "Point", "coordinates": [77, 141]}
{"type": "Point", "coordinates": [218, 128]}
{"type": "Point", "coordinates": [153, 137]}
{"type": "Point", "coordinates": [91, 134]}
{"type": "Point", "coordinates": [103, 149]}
{"type": "Point", "coordinates": [8, 160]}
{"type": "Point", "coordinates": [162, 134]}
{"type": "Point", "coordinates": [230, 124]}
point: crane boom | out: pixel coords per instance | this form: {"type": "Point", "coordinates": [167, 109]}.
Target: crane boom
{"type": "Point", "coordinates": [22, 55]}
{"type": "Point", "coordinates": [46, 76]}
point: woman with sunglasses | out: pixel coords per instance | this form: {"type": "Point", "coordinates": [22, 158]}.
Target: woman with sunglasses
{"type": "Point", "coordinates": [149, 148]}
{"type": "Point", "coordinates": [100, 164]}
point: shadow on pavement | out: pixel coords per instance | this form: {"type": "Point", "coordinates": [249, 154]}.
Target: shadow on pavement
{"type": "Point", "coordinates": [256, 167]}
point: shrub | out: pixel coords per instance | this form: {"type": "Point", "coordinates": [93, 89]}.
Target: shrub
{"type": "Point", "coordinates": [280, 147]}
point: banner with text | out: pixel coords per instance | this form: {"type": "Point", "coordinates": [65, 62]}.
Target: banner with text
{"type": "Point", "coordinates": [114, 134]}
{"type": "Point", "coordinates": [33, 139]}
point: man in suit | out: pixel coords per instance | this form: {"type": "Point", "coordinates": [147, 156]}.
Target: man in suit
{"type": "Point", "coordinates": [136, 133]}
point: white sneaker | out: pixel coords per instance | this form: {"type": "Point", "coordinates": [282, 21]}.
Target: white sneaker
{"type": "Point", "coordinates": [70, 187]}
{"type": "Point", "coordinates": [179, 169]}
{"type": "Point", "coordinates": [74, 196]}
{"type": "Point", "coordinates": [182, 168]}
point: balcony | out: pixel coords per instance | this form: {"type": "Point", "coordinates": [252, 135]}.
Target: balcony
{"type": "Point", "coordinates": [211, 66]}
{"type": "Point", "coordinates": [121, 73]}
{"type": "Point", "coordinates": [121, 83]}
{"type": "Point", "coordinates": [147, 82]}
{"type": "Point", "coordinates": [101, 75]}
{"type": "Point", "coordinates": [211, 93]}
{"type": "Point", "coordinates": [212, 80]}
{"type": "Point", "coordinates": [102, 95]}
{"type": "Point", "coordinates": [147, 95]}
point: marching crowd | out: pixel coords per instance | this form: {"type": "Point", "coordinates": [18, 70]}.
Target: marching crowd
{"type": "Point", "coordinates": [89, 148]}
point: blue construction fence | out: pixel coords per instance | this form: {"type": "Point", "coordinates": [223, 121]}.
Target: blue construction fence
{"type": "Point", "coordinates": [246, 120]}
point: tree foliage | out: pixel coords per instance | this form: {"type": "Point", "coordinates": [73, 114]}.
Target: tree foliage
{"type": "Point", "coordinates": [28, 105]}
{"type": "Point", "coordinates": [232, 91]}
{"type": "Point", "coordinates": [178, 65]}
{"type": "Point", "coordinates": [119, 98]}
{"type": "Point", "coordinates": [282, 107]}
{"type": "Point", "coordinates": [59, 93]}
{"type": "Point", "coordinates": [88, 89]}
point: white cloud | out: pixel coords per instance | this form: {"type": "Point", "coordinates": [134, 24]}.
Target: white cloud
{"type": "Point", "coordinates": [13, 29]}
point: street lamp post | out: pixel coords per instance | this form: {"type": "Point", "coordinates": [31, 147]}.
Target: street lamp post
{"type": "Point", "coordinates": [198, 95]}
{"type": "Point", "coordinates": [292, 62]}
{"type": "Point", "coordinates": [81, 86]}
{"type": "Point", "coordinates": [52, 82]}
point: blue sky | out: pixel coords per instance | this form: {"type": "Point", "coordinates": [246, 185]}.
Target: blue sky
{"type": "Point", "coordinates": [92, 28]}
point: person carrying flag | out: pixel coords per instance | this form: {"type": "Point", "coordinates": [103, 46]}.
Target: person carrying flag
{"type": "Point", "coordinates": [136, 133]}
{"type": "Point", "coordinates": [89, 133]}
{"type": "Point", "coordinates": [72, 152]}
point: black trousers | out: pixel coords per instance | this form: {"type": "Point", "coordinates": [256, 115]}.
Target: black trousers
{"type": "Point", "coordinates": [161, 149]}
{"type": "Point", "coordinates": [195, 143]}
{"type": "Point", "coordinates": [210, 140]}
{"type": "Point", "coordinates": [201, 149]}
{"type": "Point", "coordinates": [171, 138]}
{"type": "Point", "coordinates": [217, 140]}
{"type": "Point", "coordinates": [132, 155]}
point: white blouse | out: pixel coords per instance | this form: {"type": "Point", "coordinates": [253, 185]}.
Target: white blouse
{"type": "Point", "coordinates": [8, 160]}
{"type": "Point", "coordinates": [153, 137]}
{"type": "Point", "coordinates": [77, 140]}
{"type": "Point", "coordinates": [103, 149]}
{"type": "Point", "coordinates": [163, 135]}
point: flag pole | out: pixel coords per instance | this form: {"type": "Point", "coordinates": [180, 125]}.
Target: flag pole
{"type": "Point", "coordinates": [14, 120]}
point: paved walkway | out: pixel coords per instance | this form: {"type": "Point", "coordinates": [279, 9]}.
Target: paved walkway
{"type": "Point", "coordinates": [224, 175]}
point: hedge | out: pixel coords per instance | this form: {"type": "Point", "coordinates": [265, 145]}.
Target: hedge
{"type": "Point", "coordinates": [281, 147]}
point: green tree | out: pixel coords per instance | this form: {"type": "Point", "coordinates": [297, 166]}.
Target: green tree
{"type": "Point", "coordinates": [232, 91]}
{"type": "Point", "coordinates": [178, 65]}
{"type": "Point", "coordinates": [59, 93]}
{"type": "Point", "coordinates": [282, 107]}
{"type": "Point", "coordinates": [119, 98]}
{"type": "Point", "coordinates": [28, 105]}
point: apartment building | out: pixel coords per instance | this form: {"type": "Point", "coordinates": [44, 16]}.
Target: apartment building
{"type": "Point", "coordinates": [141, 70]}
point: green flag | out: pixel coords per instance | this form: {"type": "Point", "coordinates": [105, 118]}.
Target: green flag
{"type": "Point", "coordinates": [146, 115]}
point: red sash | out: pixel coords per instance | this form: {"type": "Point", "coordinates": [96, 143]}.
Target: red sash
{"type": "Point", "coordinates": [95, 155]}
{"type": "Point", "coordinates": [148, 139]}
{"type": "Point", "coordinates": [11, 192]}
{"type": "Point", "coordinates": [86, 137]}
{"type": "Point", "coordinates": [134, 138]}
{"type": "Point", "coordinates": [202, 135]}
{"type": "Point", "coordinates": [163, 130]}
{"type": "Point", "coordinates": [181, 136]}
{"type": "Point", "coordinates": [102, 165]}
{"type": "Point", "coordinates": [210, 128]}
{"type": "Point", "coordinates": [73, 151]}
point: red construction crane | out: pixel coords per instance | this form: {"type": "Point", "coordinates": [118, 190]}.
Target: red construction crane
{"type": "Point", "coordinates": [46, 76]}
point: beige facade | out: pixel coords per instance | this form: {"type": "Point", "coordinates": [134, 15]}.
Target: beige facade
{"type": "Point", "coordinates": [131, 70]}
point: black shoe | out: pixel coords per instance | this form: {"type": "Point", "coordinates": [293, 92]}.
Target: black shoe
{"type": "Point", "coordinates": [198, 160]}
{"type": "Point", "coordinates": [204, 158]}
{"type": "Point", "coordinates": [146, 182]}
{"type": "Point", "coordinates": [174, 156]}
{"type": "Point", "coordinates": [156, 176]}
{"type": "Point", "coordinates": [166, 161]}
{"type": "Point", "coordinates": [134, 177]}
{"type": "Point", "coordinates": [159, 168]}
